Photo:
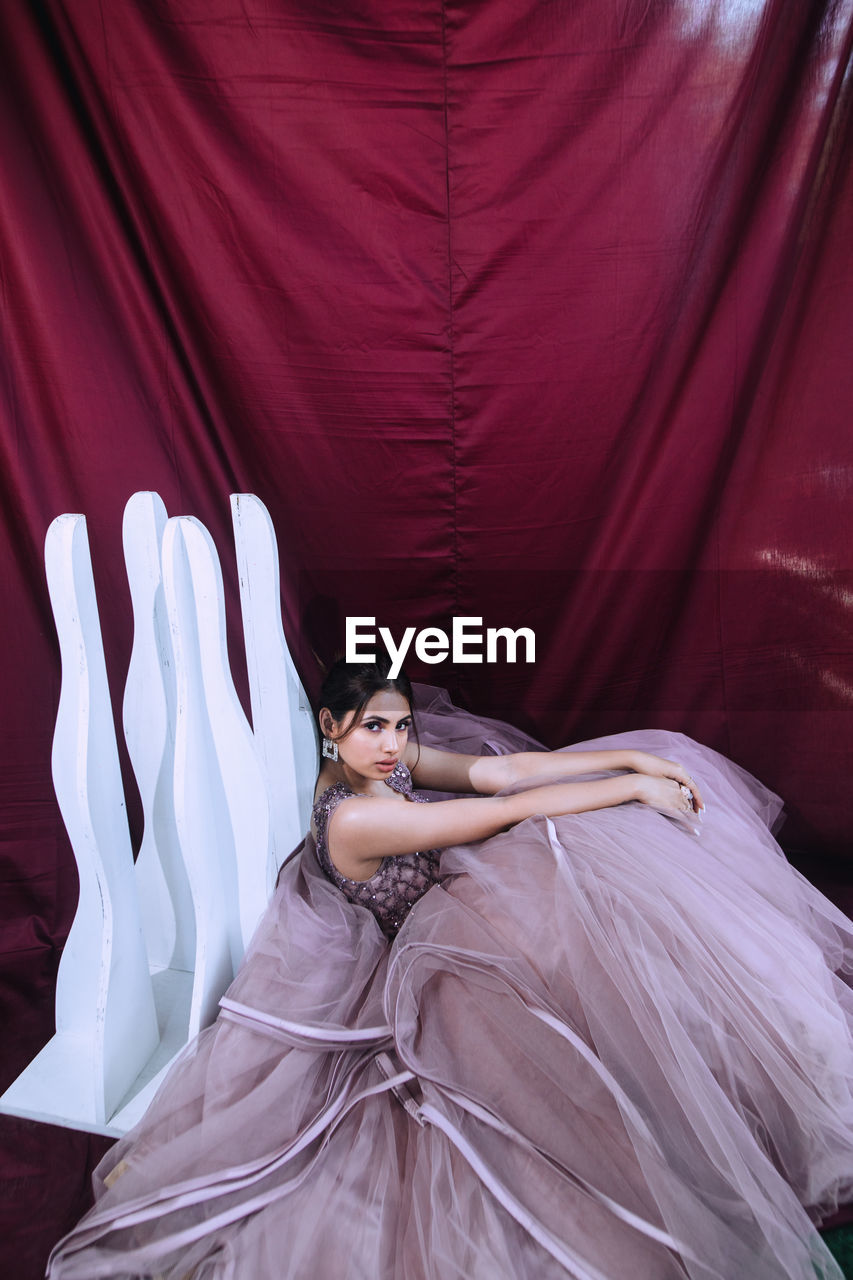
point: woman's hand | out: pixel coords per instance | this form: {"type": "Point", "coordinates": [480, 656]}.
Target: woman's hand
{"type": "Point", "coordinates": [671, 798]}
{"type": "Point", "coordinates": [656, 767]}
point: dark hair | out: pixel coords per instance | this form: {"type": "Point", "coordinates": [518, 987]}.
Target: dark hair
{"type": "Point", "coordinates": [349, 686]}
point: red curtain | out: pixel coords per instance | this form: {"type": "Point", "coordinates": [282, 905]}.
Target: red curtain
{"type": "Point", "coordinates": [531, 310]}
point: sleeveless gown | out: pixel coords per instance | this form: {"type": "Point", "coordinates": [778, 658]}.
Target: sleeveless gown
{"type": "Point", "coordinates": [599, 1046]}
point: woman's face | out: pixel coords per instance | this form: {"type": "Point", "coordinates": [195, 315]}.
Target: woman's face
{"type": "Point", "coordinates": [379, 739]}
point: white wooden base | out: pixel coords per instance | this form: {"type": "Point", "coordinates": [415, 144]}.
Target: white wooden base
{"type": "Point", "coordinates": [56, 1087]}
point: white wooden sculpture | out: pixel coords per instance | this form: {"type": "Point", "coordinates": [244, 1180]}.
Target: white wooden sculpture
{"type": "Point", "coordinates": [162, 885]}
{"type": "Point", "coordinates": [127, 1004]}
{"type": "Point", "coordinates": [106, 1027]}
{"type": "Point", "coordinates": [285, 729]}
{"type": "Point", "coordinates": [149, 729]}
{"type": "Point", "coordinates": [221, 801]}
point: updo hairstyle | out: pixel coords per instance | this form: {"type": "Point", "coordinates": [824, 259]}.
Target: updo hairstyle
{"type": "Point", "coordinates": [349, 686]}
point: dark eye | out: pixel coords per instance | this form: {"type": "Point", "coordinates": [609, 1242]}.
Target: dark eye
{"type": "Point", "coordinates": [405, 724]}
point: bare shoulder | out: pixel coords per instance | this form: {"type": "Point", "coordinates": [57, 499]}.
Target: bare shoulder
{"type": "Point", "coordinates": [365, 829]}
{"type": "Point", "coordinates": [348, 836]}
{"type": "Point", "coordinates": [362, 816]}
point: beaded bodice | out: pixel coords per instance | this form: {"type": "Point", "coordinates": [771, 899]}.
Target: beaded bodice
{"type": "Point", "coordinates": [395, 887]}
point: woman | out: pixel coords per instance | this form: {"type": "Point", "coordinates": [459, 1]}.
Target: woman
{"type": "Point", "coordinates": [609, 1036]}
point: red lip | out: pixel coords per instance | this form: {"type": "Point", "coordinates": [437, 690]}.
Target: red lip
{"type": "Point", "coordinates": [387, 764]}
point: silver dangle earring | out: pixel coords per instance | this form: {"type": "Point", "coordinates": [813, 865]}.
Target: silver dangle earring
{"type": "Point", "coordinates": [330, 749]}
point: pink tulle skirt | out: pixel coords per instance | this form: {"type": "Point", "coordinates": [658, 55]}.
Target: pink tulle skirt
{"type": "Point", "coordinates": [603, 1047]}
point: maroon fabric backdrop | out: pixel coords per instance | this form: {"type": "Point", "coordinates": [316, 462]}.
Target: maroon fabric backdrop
{"type": "Point", "coordinates": [535, 311]}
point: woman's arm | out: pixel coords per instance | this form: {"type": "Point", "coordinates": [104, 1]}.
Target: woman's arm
{"type": "Point", "coordinates": [363, 830]}
{"type": "Point", "coordinates": [445, 771]}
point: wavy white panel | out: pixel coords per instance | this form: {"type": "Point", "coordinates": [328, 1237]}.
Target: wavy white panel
{"type": "Point", "coordinates": [165, 901]}
{"type": "Point", "coordinates": [201, 817]}
{"type": "Point", "coordinates": [106, 1028]}
{"type": "Point", "coordinates": [242, 773]}
{"type": "Point", "coordinates": [221, 804]}
{"type": "Point", "coordinates": [285, 730]}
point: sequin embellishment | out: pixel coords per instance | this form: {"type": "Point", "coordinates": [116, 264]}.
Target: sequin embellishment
{"type": "Point", "coordinates": [400, 881]}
